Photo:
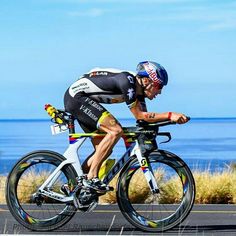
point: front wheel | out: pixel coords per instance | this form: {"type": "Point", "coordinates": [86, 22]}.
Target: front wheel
{"type": "Point", "coordinates": [30, 208]}
{"type": "Point", "coordinates": [160, 211]}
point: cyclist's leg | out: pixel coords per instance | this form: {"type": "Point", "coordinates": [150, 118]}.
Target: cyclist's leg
{"type": "Point", "coordinates": [107, 123]}
{"type": "Point", "coordinates": [87, 163]}
{"type": "Point", "coordinates": [92, 116]}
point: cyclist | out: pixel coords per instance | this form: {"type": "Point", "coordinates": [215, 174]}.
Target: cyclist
{"type": "Point", "coordinates": [84, 97]}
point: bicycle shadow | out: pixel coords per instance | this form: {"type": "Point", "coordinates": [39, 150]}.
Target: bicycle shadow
{"type": "Point", "coordinates": [127, 229]}
{"type": "Point", "coordinates": [196, 229]}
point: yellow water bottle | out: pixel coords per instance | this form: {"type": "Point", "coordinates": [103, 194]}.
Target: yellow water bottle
{"type": "Point", "coordinates": [52, 111]}
{"type": "Point", "coordinates": [105, 168]}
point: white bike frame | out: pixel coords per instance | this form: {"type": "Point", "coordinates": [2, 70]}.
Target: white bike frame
{"type": "Point", "coordinates": [72, 158]}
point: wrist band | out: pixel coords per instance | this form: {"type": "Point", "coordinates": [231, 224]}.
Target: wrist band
{"type": "Point", "coordinates": [169, 115]}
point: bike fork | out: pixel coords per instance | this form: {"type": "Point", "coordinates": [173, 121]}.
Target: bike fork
{"type": "Point", "coordinates": [146, 168]}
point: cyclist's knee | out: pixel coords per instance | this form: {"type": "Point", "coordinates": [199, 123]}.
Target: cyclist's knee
{"type": "Point", "coordinates": [111, 126]}
{"type": "Point", "coordinates": [117, 131]}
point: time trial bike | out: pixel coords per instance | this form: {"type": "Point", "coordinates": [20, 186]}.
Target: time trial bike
{"type": "Point", "coordinates": [34, 186]}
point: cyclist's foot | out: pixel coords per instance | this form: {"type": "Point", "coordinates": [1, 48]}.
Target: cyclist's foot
{"type": "Point", "coordinates": [97, 185]}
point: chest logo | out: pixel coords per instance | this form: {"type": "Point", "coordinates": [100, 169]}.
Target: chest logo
{"type": "Point", "coordinates": [131, 79]}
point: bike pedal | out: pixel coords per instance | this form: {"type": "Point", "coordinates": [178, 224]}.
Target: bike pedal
{"type": "Point", "coordinates": [102, 192]}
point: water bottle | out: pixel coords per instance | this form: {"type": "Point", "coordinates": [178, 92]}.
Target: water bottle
{"type": "Point", "coordinates": [106, 166]}
{"type": "Point", "coordinates": [53, 112]}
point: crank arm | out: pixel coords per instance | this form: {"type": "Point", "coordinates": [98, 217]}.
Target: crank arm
{"type": "Point", "coordinates": [57, 196]}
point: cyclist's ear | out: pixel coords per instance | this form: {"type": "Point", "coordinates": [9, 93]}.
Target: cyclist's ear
{"type": "Point", "coordinates": [146, 80]}
{"type": "Point", "coordinates": [142, 80]}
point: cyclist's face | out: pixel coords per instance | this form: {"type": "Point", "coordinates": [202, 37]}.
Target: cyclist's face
{"type": "Point", "coordinates": [151, 91]}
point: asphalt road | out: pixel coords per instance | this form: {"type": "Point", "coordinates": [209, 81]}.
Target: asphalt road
{"type": "Point", "coordinates": [107, 220]}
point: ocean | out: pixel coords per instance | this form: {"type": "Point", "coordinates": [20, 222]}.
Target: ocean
{"type": "Point", "coordinates": [205, 144]}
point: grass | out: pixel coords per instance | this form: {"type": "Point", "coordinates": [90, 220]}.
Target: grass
{"type": "Point", "coordinates": [2, 189]}
{"type": "Point", "coordinates": [27, 185]}
{"type": "Point", "coordinates": [211, 188]}
{"type": "Point", "coordinates": [217, 188]}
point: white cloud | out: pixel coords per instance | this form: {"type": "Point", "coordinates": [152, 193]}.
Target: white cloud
{"type": "Point", "coordinates": [214, 17]}
{"type": "Point", "coordinates": [93, 12]}
{"type": "Point", "coordinates": [209, 15]}
{"type": "Point", "coordinates": [222, 26]}
{"type": "Point", "coordinates": [121, 1]}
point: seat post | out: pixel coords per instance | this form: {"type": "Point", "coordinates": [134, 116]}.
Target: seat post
{"type": "Point", "coordinates": [71, 124]}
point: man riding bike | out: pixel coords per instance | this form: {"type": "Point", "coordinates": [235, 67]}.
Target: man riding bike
{"type": "Point", "coordinates": [84, 97]}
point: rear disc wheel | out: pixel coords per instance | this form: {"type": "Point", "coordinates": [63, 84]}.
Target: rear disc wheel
{"type": "Point", "coordinates": [30, 208]}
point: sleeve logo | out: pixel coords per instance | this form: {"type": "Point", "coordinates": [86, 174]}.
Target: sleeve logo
{"type": "Point", "coordinates": [130, 93]}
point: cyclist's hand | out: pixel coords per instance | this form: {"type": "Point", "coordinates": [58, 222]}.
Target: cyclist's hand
{"type": "Point", "coordinates": [179, 118]}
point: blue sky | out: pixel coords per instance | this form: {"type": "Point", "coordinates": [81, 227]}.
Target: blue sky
{"type": "Point", "coordinates": [46, 45]}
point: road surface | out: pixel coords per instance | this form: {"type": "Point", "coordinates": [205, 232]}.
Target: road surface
{"type": "Point", "coordinates": [107, 220]}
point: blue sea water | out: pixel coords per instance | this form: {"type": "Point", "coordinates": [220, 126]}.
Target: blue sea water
{"type": "Point", "coordinates": [202, 143]}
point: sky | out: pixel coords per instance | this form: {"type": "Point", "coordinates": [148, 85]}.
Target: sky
{"type": "Point", "coordinates": [46, 45]}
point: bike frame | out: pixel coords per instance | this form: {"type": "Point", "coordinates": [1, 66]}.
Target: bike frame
{"type": "Point", "coordinates": [72, 158]}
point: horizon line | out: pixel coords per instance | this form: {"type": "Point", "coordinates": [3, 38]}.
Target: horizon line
{"type": "Point", "coordinates": [121, 118]}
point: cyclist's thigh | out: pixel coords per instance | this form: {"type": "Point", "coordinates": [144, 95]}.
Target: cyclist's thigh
{"type": "Point", "coordinates": [89, 113]}
{"type": "Point", "coordinates": [108, 123]}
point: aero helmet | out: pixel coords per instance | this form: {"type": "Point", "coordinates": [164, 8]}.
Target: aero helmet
{"type": "Point", "coordinates": [153, 71]}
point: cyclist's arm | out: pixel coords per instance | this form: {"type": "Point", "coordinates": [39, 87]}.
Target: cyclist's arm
{"type": "Point", "coordinates": [138, 107]}
{"type": "Point", "coordinates": [153, 117]}
{"type": "Point", "coordinates": [142, 114]}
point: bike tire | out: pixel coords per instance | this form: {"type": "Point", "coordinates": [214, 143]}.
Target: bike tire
{"type": "Point", "coordinates": [164, 213]}
{"type": "Point", "coordinates": [24, 179]}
